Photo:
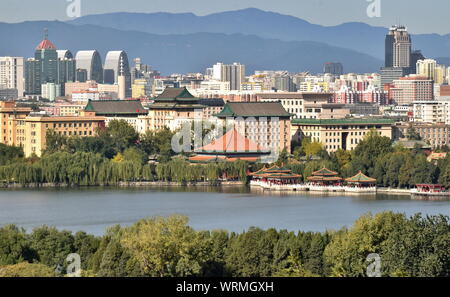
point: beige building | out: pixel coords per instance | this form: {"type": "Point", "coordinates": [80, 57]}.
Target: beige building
{"type": "Point", "coordinates": [266, 123]}
{"type": "Point", "coordinates": [9, 113]}
{"type": "Point", "coordinates": [335, 134]}
{"type": "Point", "coordinates": [33, 129]}
{"type": "Point", "coordinates": [307, 105]}
{"type": "Point", "coordinates": [436, 134]}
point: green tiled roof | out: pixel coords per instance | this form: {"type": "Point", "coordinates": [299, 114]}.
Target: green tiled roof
{"type": "Point", "coordinates": [324, 172]}
{"type": "Point", "coordinates": [253, 109]}
{"type": "Point", "coordinates": [342, 122]}
{"type": "Point", "coordinates": [360, 178]}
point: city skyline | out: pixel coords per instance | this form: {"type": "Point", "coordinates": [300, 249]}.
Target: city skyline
{"type": "Point", "coordinates": [327, 13]}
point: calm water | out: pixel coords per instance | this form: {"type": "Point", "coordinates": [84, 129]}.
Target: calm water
{"type": "Point", "coordinates": [234, 209]}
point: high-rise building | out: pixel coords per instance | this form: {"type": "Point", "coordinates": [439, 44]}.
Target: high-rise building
{"type": "Point", "coordinates": [233, 73]}
{"type": "Point", "coordinates": [43, 68]}
{"type": "Point", "coordinates": [333, 68]}
{"type": "Point", "coordinates": [116, 65]}
{"type": "Point", "coordinates": [398, 47]}
{"type": "Point", "coordinates": [430, 69]}
{"type": "Point", "coordinates": [12, 74]}
{"type": "Point", "coordinates": [91, 63]}
{"type": "Point", "coordinates": [397, 55]}
{"type": "Point", "coordinates": [416, 56]}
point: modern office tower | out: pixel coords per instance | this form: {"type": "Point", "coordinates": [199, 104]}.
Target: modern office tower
{"type": "Point", "coordinates": [12, 74]}
{"type": "Point", "coordinates": [116, 66]}
{"type": "Point", "coordinates": [416, 56]}
{"type": "Point", "coordinates": [91, 62]}
{"type": "Point", "coordinates": [397, 55]}
{"type": "Point", "coordinates": [333, 68]}
{"type": "Point", "coordinates": [233, 73]}
{"type": "Point", "coordinates": [66, 68]}
{"type": "Point", "coordinates": [398, 47]}
{"type": "Point", "coordinates": [43, 68]}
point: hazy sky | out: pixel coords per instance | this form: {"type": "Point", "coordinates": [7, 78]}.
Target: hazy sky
{"type": "Point", "coordinates": [420, 16]}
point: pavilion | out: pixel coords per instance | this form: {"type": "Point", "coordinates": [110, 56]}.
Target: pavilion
{"type": "Point", "coordinates": [360, 180]}
{"type": "Point", "coordinates": [231, 147]}
{"type": "Point", "coordinates": [276, 175]}
{"type": "Point", "coordinates": [325, 177]}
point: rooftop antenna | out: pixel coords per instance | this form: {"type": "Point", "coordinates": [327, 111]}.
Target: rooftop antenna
{"type": "Point", "coordinates": [45, 33]}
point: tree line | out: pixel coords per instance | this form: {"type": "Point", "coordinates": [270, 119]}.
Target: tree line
{"type": "Point", "coordinates": [119, 154]}
{"type": "Point", "coordinates": [167, 246]}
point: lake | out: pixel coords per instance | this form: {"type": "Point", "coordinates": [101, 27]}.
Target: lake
{"type": "Point", "coordinates": [231, 208]}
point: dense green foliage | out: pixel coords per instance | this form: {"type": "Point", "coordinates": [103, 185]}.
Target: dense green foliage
{"type": "Point", "coordinates": [116, 155]}
{"type": "Point", "coordinates": [416, 246]}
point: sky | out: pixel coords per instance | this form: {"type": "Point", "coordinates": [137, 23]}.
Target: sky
{"type": "Point", "coordinates": [420, 16]}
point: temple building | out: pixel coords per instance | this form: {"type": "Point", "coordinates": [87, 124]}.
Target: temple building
{"type": "Point", "coordinates": [325, 177]}
{"type": "Point", "coordinates": [275, 175]}
{"type": "Point", "coordinates": [231, 147]}
{"type": "Point", "coordinates": [172, 108]}
{"type": "Point", "coordinates": [361, 180]}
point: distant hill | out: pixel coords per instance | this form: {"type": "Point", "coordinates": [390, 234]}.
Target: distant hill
{"type": "Point", "coordinates": [185, 53]}
{"type": "Point", "coordinates": [356, 36]}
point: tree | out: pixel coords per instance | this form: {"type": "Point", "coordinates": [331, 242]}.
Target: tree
{"type": "Point", "coordinates": [26, 269]}
{"type": "Point", "coordinates": [368, 151]}
{"type": "Point", "coordinates": [122, 134]}
{"type": "Point", "coordinates": [14, 246]}
{"type": "Point", "coordinates": [166, 246]}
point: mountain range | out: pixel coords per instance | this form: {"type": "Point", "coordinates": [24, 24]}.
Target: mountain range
{"type": "Point", "coordinates": [180, 43]}
{"type": "Point", "coordinates": [357, 36]}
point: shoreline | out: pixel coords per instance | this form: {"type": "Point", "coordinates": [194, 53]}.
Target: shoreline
{"type": "Point", "coordinates": [122, 184]}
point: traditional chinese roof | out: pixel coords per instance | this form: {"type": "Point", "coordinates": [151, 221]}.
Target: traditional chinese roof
{"type": "Point", "coordinates": [116, 107]}
{"type": "Point", "coordinates": [46, 45]}
{"type": "Point", "coordinates": [231, 143]}
{"type": "Point", "coordinates": [324, 172]}
{"type": "Point", "coordinates": [324, 178]}
{"type": "Point", "coordinates": [281, 175]}
{"type": "Point", "coordinates": [253, 109]}
{"type": "Point", "coordinates": [277, 169]}
{"type": "Point", "coordinates": [176, 99]}
{"type": "Point", "coordinates": [360, 178]}
{"type": "Point", "coordinates": [215, 159]}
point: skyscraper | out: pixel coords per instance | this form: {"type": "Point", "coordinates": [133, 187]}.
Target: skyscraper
{"type": "Point", "coordinates": [11, 74]}
{"type": "Point", "coordinates": [398, 47]}
{"type": "Point", "coordinates": [397, 55]}
{"type": "Point", "coordinates": [116, 65]}
{"type": "Point", "coordinates": [43, 68]}
{"type": "Point", "coordinates": [234, 74]}
{"type": "Point", "coordinates": [91, 62]}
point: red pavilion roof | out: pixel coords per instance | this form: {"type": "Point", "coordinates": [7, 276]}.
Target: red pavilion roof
{"type": "Point", "coordinates": [231, 142]}
{"type": "Point", "coordinates": [46, 45]}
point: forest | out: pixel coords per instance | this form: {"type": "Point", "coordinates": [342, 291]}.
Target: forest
{"type": "Point", "coordinates": [168, 247]}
